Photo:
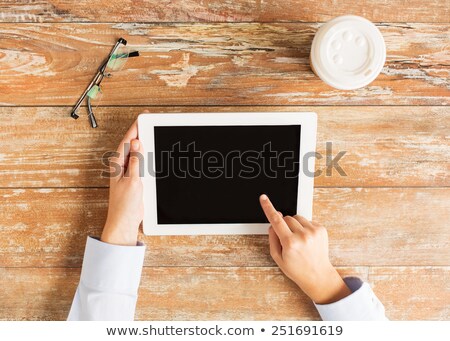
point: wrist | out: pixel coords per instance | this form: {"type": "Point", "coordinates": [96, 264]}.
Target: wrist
{"type": "Point", "coordinates": [328, 287]}
{"type": "Point", "coordinates": [119, 235]}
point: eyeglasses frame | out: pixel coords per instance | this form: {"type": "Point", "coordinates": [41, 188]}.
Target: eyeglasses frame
{"type": "Point", "coordinates": [96, 81]}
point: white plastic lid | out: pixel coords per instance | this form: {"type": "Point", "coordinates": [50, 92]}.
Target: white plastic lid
{"type": "Point", "coordinates": [348, 52]}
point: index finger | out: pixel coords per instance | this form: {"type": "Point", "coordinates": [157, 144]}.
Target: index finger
{"type": "Point", "coordinates": [275, 219]}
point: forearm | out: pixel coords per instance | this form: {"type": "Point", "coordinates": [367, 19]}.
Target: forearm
{"type": "Point", "coordinates": [109, 280]}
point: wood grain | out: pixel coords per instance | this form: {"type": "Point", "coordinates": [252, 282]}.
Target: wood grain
{"type": "Point", "coordinates": [366, 226]}
{"type": "Point", "coordinates": [216, 10]}
{"type": "Point", "coordinates": [387, 219]}
{"type": "Point", "coordinates": [266, 294]}
{"type": "Point", "coordinates": [385, 146]}
{"type": "Point", "coordinates": [212, 64]}
{"type": "Point", "coordinates": [411, 288]}
{"type": "Point", "coordinates": [218, 293]}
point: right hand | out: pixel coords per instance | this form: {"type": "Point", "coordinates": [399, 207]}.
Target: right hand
{"type": "Point", "coordinates": [300, 249]}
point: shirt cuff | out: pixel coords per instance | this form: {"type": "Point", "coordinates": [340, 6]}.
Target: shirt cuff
{"type": "Point", "coordinates": [112, 268]}
{"type": "Point", "coordinates": [360, 305]}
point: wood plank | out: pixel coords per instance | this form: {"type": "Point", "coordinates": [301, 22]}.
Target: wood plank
{"type": "Point", "coordinates": [413, 293]}
{"type": "Point", "coordinates": [266, 294]}
{"type": "Point", "coordinates": [222, 293]}
{"type": "Point", "coordinates": [212, 64]}
{"type": "Point", "coordinates": [385, 146]}
{"type": "Point", "coordinates": [367, 227]}
{"type": "Point", "coordinates": [219, 11]}
{"type": "Point", "coordinates": [37, 294]}
{"type": "Point", "coordinates": [172, 293]}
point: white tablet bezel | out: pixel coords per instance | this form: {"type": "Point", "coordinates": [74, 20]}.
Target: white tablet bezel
{"type": "Point", "coordinates": [146, 124]}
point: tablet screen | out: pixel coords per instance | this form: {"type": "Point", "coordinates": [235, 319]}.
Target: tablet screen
{"type": "Point", "coordinates": [215, 174]}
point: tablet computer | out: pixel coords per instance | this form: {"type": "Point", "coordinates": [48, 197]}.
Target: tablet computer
{"type": "Point", "coordinates": [203, 173]}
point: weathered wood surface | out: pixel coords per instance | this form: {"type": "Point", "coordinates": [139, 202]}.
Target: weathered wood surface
{"type": "Point", "coordinates": [367, 227]}
{"type": "Point", "coordinates": [385, 146]}
{"type": "Point", "coordinates": [212, 64]}
{"type": "Point", "coordinates": [431, 11]}
{"type": "Point", "coordinates": [410, 288]}
{"type": "Point", "coordinates": [387, 219]}
{"type": "Point", "coordinates": [224, 293]}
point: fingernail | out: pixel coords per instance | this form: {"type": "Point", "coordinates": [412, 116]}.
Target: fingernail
{"type": "Point", "coordinates": [264, 197]}
{"type": "Point", "coordinates": [135, 145]}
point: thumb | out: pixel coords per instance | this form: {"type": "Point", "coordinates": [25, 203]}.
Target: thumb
{"type": "Point", "coordinates": [136, 161]}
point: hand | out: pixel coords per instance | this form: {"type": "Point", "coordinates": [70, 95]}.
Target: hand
{"type": "Point", "coordinates": [126, 207]}
{"type": "Point", "coordinates": [300, 249]}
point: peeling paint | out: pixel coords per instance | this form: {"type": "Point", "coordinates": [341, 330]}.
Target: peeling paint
{"type": "Point", "coordinates": [182, 74]}
{"type": "Point", "coordinates": [45, 190]}
{"type": "Point", "coordinates": [22, 206]}
{"type": "Point", "coordinates": [29, 63]}
{"type": "Point", "coordinates": [289, 60]}
{"type": "Point", "coordinates": [410, 73]}
{"type": "Point", "coordinates": [133, 28]}
{"type": "Point", "coordinates": [241, 60]}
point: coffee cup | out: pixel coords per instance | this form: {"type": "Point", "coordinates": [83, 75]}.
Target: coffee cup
{"type": "Point", "coordinates": [348, 52]}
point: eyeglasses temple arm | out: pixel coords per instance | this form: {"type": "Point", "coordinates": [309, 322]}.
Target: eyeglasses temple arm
{"type": "Point", "coordinates": [73, 113]}
{"type": "Point", "coordinates": [91, 116]}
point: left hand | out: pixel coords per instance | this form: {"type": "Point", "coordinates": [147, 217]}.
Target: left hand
{"type": "Point", "coordinates": [126, 206]}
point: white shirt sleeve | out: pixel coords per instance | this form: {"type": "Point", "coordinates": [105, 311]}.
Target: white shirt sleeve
{"type": "Point", "coordinates": [109, 282]}
{"type": "Point", "coordinates": [360, 305]}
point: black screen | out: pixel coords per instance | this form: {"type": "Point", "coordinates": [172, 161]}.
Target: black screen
{"type": "Point", "coordinates": [215, 174]}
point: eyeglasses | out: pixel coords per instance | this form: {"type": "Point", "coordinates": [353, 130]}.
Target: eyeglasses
{"type": "Point", "coordinates": [115, 61]}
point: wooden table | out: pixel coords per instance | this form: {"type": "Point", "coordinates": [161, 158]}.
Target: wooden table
{"type": "Point", "coordinates": [388, 219]}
